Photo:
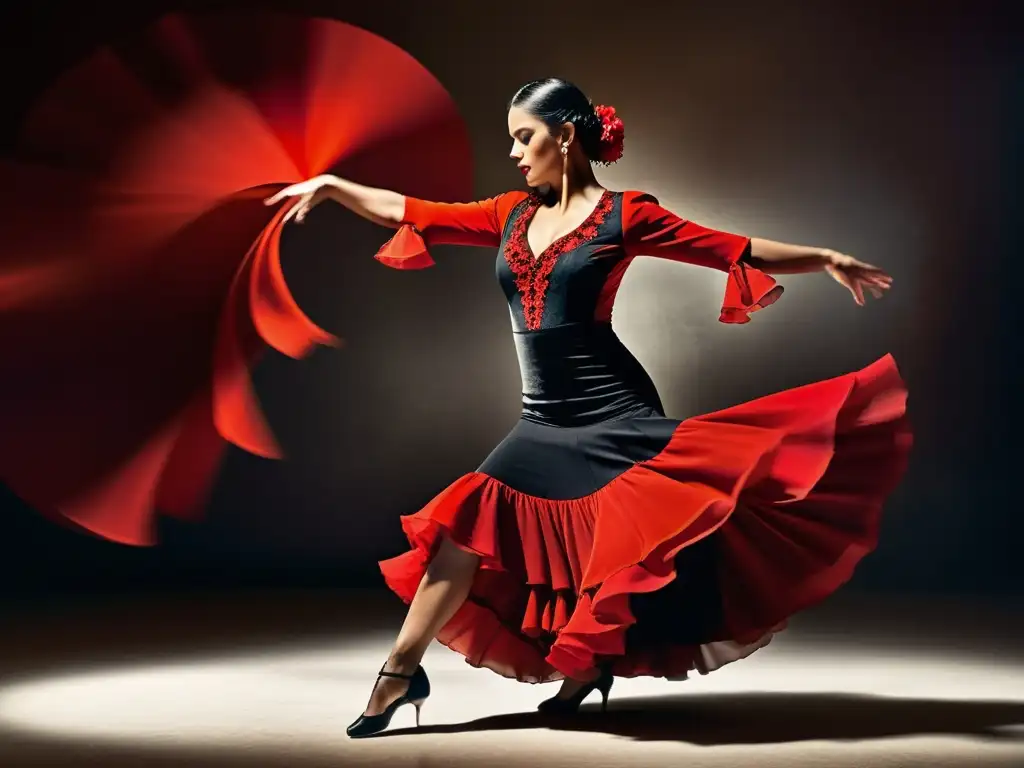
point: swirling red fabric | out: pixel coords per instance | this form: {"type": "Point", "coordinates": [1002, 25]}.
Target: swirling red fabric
{"type": "Point", "coordinates": [140, 275]}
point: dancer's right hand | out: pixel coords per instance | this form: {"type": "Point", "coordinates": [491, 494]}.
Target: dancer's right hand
{"type": "Point", "coordinates": [310, 193]}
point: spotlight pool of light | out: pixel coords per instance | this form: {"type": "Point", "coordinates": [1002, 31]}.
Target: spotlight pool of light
{"type": "Point", "coordinates": [301, 698]}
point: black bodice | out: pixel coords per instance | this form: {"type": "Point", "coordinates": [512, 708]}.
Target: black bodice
{"type": "Point", "coordinates": [581, 373]}
{"type": "Point", "coordinates": [563, 284]}
{"type": "Point", "coordinates": [574, 368]}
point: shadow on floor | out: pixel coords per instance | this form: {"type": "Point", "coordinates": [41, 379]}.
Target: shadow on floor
{"type": "Point", "coordinates": [767, 718]}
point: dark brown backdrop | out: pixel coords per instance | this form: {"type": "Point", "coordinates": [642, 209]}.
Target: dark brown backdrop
{"type": "Point", "coordinates": [888, 132]}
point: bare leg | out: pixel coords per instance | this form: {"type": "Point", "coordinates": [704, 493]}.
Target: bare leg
{"type": "Point", "coordinates": [442, 590]}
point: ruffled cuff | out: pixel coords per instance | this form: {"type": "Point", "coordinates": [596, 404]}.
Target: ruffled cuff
{"type": "Point", "coordinates": [405, 250]}
{"type": "Point", "coordinates": [747, 291]}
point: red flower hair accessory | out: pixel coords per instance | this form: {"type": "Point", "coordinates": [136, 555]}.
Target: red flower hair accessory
{"type": "Point", "coordinates": [612, 134]}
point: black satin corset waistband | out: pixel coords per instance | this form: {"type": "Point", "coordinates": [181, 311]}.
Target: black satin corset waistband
{"type": "Point", "coordinates": [580, 373]}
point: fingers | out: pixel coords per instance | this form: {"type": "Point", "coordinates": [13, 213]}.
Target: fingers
{"type": "Point", "coordinates": [279, 196]}
{"type": "Point", "coordinates": [875, 289]}
{"type": "Point", "coordinates": [293, 190]}
{"type": "Point", "coordinates": [848, 282]}
{"type": "Point", "coordinates": [858, 292]}
{"type": "Point", "coordinates": [851, 284]}
{"type": "Point", "coordinates": [878, 276]}
{"type": "Point", "coordinates": [309, 201]}
{"type": "Point", "coordinates": [873, 280]}
{"type": "Point", "coordinates": [301, 208]}
{"type": "Point", "coordinates": [878, 284]}
{"type": "Point", "coordinates": [294, 212]}
{"type": "Point", "coordinates": [858, 277]}
{"type": "Point", "coordinates": [865, 271]}
{"type": "Point", "coordinates": [307, 187]}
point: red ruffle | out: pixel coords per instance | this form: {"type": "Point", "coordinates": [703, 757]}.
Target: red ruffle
{"type": "Point", "coordinates": [746, 291]}
{"type": "Point", "coordinates": [405, 250]}
{"type": "Point", "coordinates": [793, 483]}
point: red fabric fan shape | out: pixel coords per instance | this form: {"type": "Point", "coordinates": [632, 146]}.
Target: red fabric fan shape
{"type": "Point", "coordinates": [140, 274]}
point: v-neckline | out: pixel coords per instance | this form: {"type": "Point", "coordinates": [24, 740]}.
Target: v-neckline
{"type": "Point", "coordinates": [531, 215]}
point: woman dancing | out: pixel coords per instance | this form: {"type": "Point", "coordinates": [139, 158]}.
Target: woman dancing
{"type": "Point", "coordinates": [601, 538]}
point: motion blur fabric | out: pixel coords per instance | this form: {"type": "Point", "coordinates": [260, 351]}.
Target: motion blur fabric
{"type": "Point", "coordinates": [140, 274]}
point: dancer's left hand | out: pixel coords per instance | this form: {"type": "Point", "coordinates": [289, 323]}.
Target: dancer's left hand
{"type": "Point", "coordinates": [856, 276]}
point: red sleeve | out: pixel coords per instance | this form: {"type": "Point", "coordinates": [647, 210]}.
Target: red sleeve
{"type": "Point", "coordinates": [427, 223]}
{"type": "Point", "coordinates": [650, 230]}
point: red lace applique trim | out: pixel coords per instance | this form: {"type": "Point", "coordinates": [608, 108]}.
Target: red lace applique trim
{"type": "Point", "coordinates": [532, 273]}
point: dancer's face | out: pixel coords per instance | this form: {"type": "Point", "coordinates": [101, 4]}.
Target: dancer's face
{"type": "Point", "coordinates": [536, 151]}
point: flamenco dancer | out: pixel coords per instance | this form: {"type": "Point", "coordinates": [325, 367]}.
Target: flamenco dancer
{"type": "Point", "coordinates": [601, 538]}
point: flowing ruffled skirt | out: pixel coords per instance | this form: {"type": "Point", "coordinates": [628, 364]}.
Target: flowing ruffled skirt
{"type": "Point", "coordinates": [684, 558]}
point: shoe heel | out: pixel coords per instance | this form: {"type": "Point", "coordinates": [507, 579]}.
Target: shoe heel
{"type": "Point", "coordinates": [418, 703]}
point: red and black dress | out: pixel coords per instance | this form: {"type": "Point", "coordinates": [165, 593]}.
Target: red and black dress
{"type": "Point", "coordinates": [608, 532]}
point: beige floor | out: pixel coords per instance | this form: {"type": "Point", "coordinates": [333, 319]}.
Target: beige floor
{"type": "Point", "coordinates": [272, 679]}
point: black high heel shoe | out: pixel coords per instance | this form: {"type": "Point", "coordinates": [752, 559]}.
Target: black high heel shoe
{"type": "Point", "coordinates": [415, 694]}
{"type": "Point", "coordinates": [567, 706]}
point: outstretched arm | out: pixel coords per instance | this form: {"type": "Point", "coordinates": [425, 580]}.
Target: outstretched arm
{"type": "Point", "coordinates": [381, 206]}
{"type": "Point", "coordinates": [654, 231]}
{"type": "Point", "coordinates": [777, 258]}
{"type": "Point", "coordinates": [474, 223]}
{"type": "Point", "coordinates": [782, 258]}
{"type": "Point", "coordinates": [420, 223]}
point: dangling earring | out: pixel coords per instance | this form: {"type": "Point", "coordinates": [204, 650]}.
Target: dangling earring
{"type": "Point", "coordinates": [565, 176]}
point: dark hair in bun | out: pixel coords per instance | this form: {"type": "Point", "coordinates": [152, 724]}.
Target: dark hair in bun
{"type": "Point", "coordinates": [556, 101]}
